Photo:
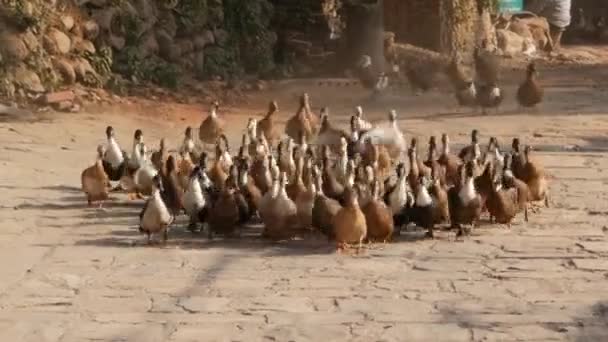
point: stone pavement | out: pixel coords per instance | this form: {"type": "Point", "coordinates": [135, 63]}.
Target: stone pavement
{"type": "Point", "coordinates": [71, 273]}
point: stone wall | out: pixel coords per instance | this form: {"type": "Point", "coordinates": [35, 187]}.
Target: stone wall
{"type": "Point", "coordinates": [415, 22]}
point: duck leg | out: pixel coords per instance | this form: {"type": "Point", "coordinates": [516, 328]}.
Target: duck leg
{"type": "Point", "coordinates": [165, 235]}
{"type": "Point", "coordinates": [430, 234]}
{"type": "Point", "coordinates": [526, 213]}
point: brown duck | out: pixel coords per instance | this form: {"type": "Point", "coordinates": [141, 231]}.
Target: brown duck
{"type": "Point", "coordinates": [530, 93]}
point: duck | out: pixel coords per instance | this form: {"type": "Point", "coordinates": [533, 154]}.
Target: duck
{"type": "Point", "coordinates": [471, 152]}
{"type": "Point", "coordinates": [324, 208]}
{"type": "Point", "coordinates": [217, 173]}
{"type": "Point", "coordinates": [361, 125]}
{"type": "Point", "coordinates": [432, 163]}
{"type": "Point", "coordinates": [328, 134]}
{"type": "Point", "coordinates": [244, 150]}
{"type": "Point", "coordinates": [143, 176]}
{"type": "Point", "coordinates": [225, 215]}
{"type": "Point", "coordinates": [139, 152]}
{"type": "Point", "coordinates": [510, 181]}
{"type": "Point", "coordinates": [260, 173]}
{"type": "Point", "coordinates": [417, 168]}
{"type": "Point", "coordinates": [341, 165]}
{"type": "Point", "coordinates": [489, 96]}
{"type": "Point", "coordinates": [331, 186]}
{"type": "Point", "coordinates": [378, 217]}
{"type": "Point", "coordinates": [449, 162]}
{"type": "Point", "coordinates": [189, 146]}
{"type": "Point", "coordinates": [378, 157]}
{"type": "Point", "coordinates": [518, 159]}
{"type": "Point", "coordinates": [114, 161]}
{"type": "Point", "coordinates": [533, 174]}
{"type": "Point", "coordinates": [349, 224]}
{"type": "Point", "coordinates": [225, 157]}
{"type": "Point", "coordinates": [296, 186]}
{"type": "Point", "coordinates": [487, 64]}
{"type": "Point", "coordinates": [305, 202]}
{"type": "Point", "coordinates": [172, 190]}
{"type": "Point", "coordinates": [422, 168]}
{"type": "Point", "coordinates": [494, 155]}
{"type": "Point", "coordinates": [423, 211]}
{"type": "Point", "coordinates": [396, 196]}
{"type": "Point", "coordinates": [197, 202]}
{"type": "Point", "coordinates": [286, 161]}
{"type": "Point", "coordinates": [301, 122]}
{"type": "Point", "coordinates": [279, 212]}
{"type": "Point", "coordinates": [389, 135]}
{"type": "Point", "coordinates": [502, 203]}
{"type": "Point", "coordinates": [247, 186]}
{"type": "Point", "coordinates": [267, 125]}
{"type": "Point", "coordinates": [186, 166]}
{"type": "Point", "coordinates": [467, 95]}
{"type": "Point", "coordinates": [155, 217]}
{"type": "Point", "coordinates": [212, 127]}
{"type": "Point", "coordinates": [95, 181]}
{"type": "Point", "coordinates": [530, 93]}
{"type": "Point", "coordinates": [158, 158]}
{"type": "Point", "coordinates": [465, 203]}
{"type": "Point", "coordinates": [254, 142]}
{"type": "Point", "coordinates": [233, 181]}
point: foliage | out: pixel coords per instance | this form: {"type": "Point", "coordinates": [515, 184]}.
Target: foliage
{"type": "Point", "coordinates": [152, 69]}
{"type": "Point", "coordinates": [221, 62]}
{"type": "Point", "coordinates": [38, 61]}
{"type": "Point", "coordinates": [247, 22]}
{"type": "Point", "coordinates": [192, 15]}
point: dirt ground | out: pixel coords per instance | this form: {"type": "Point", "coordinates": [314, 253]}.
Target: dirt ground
{"type": "Point", "coordinates": [72, 273]}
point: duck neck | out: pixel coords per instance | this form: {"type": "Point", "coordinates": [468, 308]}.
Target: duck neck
{"type": "Point", "coordinates": [445, 148]}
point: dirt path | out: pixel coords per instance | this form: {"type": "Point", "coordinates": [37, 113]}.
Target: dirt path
{"type": "Point", "coordinates": [70, 273]}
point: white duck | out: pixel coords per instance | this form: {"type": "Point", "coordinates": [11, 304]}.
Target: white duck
{"type": "Point", "coordinates": [155, 217]}
{"type": "Point", "coordinates": [113, 160]}
{"type": "Point", "coordinates": [139, 150]}
{"type": "Point", "coordinates": [340, 167]}
{"type": "Point", "coordinates": [196, 201]}
{"type": "Point", "coordinates": [389, 135]}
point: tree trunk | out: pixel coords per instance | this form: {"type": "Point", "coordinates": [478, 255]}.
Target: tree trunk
{"type": "Point", "coordinates": [458, 26]}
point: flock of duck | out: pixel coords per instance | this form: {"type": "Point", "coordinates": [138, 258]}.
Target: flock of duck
{"type": "Point", "coordinates": [353, 187]}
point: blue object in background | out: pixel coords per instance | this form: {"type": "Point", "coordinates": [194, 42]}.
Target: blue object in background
{"type": "Point", "coordinates": [511, 5]}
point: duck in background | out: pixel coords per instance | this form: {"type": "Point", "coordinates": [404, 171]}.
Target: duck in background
{"type": "Point", "coordinates": [95, 181]}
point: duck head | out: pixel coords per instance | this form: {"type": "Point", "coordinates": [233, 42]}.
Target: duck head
{"type": "Point", "coordinates": [157, 183]}
{"type": "Point", "coordinates": [445, 141]}
{"type": "Point", "coordinates": [401, 170]}
{"type": "Point", "coordinates": [273, 107]}
{"type": "Point", "coordinates": [350, 197]}
{"type": "Point", "coordinates": [101, 150]}
{"type": "Point", "coordinates": [359, 112]}
{"type": "Point", "coordinates": [531, 71]}
{"type": "Point", "coordinates": [109, 132]}
{"type": "Point", "coordinates": [392, 116]}
{"type": "Point", "coordinates": [243, 172]}
{"type": "Point", "coordinates": [171, 164]}
{"type": "Point", "coordinates": [474, 136]}
{"type": "Point", "coordinates": [515, 145]}
{"type": "Point", "coordinates": [432, 148]}
{"type": "Point", "coordinates": [162, 144]}
{"type": "Point", "coordinates": [215, 106]}
{"type": "Point", "coordinates": [324, 117]}
{"type": "Point", "coordinates": [138, 136]}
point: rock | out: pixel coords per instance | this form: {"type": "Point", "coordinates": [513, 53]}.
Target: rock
{"type": "Point", "coordinates": [59, 96]}
{"type": "Point", "coordinates": [30, 40]}
{"type": "Point", "coordinates": [75, 108]}
{"type": "Point", "coordinates": [28, 80]}
{"type": "Point", "coordinates": [166, 22]}
{"type": "Point", "coordinates": [68, 22]}
{"type": "Point", "coordinates": [65, 70]}
{"type": "Point", "coordinates": [117, 42]}
{"type": "Point", "coordinates": [83, 45]}
{"type": "Point", "coordinates": [90, 29]}
{"type": "Point", "coordinates": [103, 18]}
{"type": "Point", "coordinates": [165, 43]}
{"type": "Point", "coordinates": [82, 67]}
{"type": "Point", "coordinates": [185, 45]}
{"type": "Point", "coordinates": [510, 43]}
{"type": "Point", "coordinates": [199, 62]}
{"type": "Point", "coordinates": [204, 39]}
{"type": "Point", "coordinates": [12, 48]}
{"type": "Point", "coordinates": [221, 37]}
{"type": "Point", "coordinates": [187, 61]}
{"type": "Point", "coordinates": [56, 42]}
{"type": "Point", "coordinates": [148, 45]}
{"type": "Point", "coordinates": [175, 53]}
{"type": "Point", "coordinates": [63, 106]}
